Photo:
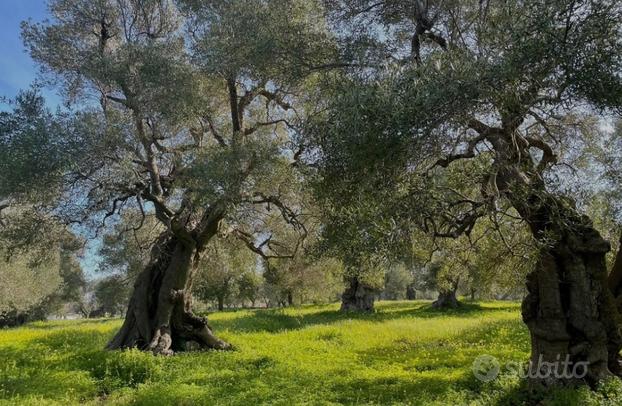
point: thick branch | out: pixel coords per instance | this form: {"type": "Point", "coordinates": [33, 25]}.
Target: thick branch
{"type": "Point", "coordinates": [275, 97]}
{"type": "Point", "coordinates": [247, 239]}
{"type": "Point", "coordinates": [208, 226]}
{"type": "Point", "coordinates": [615, 276]}
{"type": "Point", "coordinates": [236, 120]}
{"type": "Point", "coordinates": [548, 156]}
{"type": "Point", "coordinates": [468, 153]}
{"type": "Point", "coordinates": [152, 166]}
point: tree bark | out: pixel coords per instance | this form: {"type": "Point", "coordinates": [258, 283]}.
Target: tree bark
{"type": "Point", "coordinates": [159, 316]}
{"type": "Point", "coordinates": [221, 303]}
{"type": "Point", "coordinates": [569, 309]}
{"type": "Point", "coordinates": [357, 297]}
{"type": "Point", "coordinates": [615, 285]}
{"type": "Point", "coordinates": [411, 293]}
{"type": "Point", "coordinates": [446, 300]}
{"type": "Point", "coordinates": [290, 298]}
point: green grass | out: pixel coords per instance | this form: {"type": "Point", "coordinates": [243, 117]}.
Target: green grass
{"type": "Point", "coordinates": [405, 353]}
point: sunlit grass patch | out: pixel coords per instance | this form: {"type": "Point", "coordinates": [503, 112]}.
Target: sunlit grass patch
{"type": "Point", "coordinates": [404, 353]}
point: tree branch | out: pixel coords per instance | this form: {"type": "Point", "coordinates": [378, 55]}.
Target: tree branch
{"type": "Point", "coordinates": [548, 156]}
{"type": "Point", "coordinates": [247, 239]}
{"type": "Point", "coordinates": [468, 153]}
{"type": "Point", "coordinates": [249, 131]}
{"type": "Point", "coordinates": [236, 120]}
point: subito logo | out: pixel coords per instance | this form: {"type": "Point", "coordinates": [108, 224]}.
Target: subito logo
{"type": "Point", "coordinates": [486, 368]}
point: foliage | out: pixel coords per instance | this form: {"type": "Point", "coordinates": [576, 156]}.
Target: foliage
{"type": "Point", "coordinates": [32, 288]}
{"type": "Point", "coordinates": [112, 294]}
{"type": "Point", "coordinates": [397, 281]}
{"type": "Point", "coordinates": [302, 279]}
{"type": "Point", "coordinates": [390, 130]}
{"type": "Point", "coordinates": [23, 288]}
{"type": "Point", "coordinates": [226, 270]}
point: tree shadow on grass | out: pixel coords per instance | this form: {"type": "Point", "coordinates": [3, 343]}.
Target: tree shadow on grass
{"type": "Point", "coordinates": [52, 324]}
{"type": "Point", "coordinates": [73, 361]}
{"type": "Point", "coordinates": [276, 320]}
{"type": "Point", "coordinates": [51, 366]}
{"type": "Point", "coordinates": [528, 394]}
{"type": "Point", "coordinates": [456, 350]}
{"type": "Point", "coordinates": [454, 354]}
{"type": "Point", "coordinates": [392, 390]}
{"type": "Point", "coordinates": [70, 363]}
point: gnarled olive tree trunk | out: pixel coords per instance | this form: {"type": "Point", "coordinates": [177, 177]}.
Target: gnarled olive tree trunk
{"type": "Point", "coordinates": [159, 316]}
{"type": "Point", "coordinates": [615, 285]}
{"type": "Point", "coordinates": [569, 309]}
{"type": "Point", "coordinates": [357, 296]}
{"type": "Point", "coordinates": [446, 299]}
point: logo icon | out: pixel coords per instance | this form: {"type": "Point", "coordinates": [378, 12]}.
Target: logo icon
{"type": "Point", "coordinates": [486, 368]}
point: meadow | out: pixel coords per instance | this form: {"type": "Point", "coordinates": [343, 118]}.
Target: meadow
{"type": "Point", "coordinates": [404, 353]}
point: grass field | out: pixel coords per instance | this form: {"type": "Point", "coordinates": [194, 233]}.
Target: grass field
{"type": "Point", "coordinates": [405, 353]}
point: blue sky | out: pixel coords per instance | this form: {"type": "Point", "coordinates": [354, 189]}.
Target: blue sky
{"type": "Point", "coordinates": [18, 71]}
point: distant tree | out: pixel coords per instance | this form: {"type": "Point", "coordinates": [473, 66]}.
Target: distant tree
{"type": "Point", "coordinates": [249, 288]}
{"type": "Point", "coordinates": [219, 278]}
{"type": "Point", "coordinates": [24, 287]}
{"type": "Point", "coordinates": [34, 287]}
{"type": "Point", "coordinates": [87, 303]}
{"type": "Point", "coordinates": [111, 295]}
{"type": "Point", "coordinates": [303, 279]}
{"type": "Point", "coordinates": [397, 281]}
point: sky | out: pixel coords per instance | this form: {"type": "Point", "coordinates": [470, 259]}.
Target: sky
{"type": "Point", "coordinates": [19, 71]}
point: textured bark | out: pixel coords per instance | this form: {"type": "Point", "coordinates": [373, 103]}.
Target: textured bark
{"type": "Point", "coordinates": [446, 300]}
{"type": "Point", "coordinates": [357, 297]}
{"type": "Point", "coordinates": [159, 316]}
{"type": "Point", "coordinates": [411, 293]}
{"type": "Point", "coordinates": [569, 310]}
{"type": "Point", "coordinates": [615, 276]}
{"type": "Point", "coordinates": [290, 298]}
{"type": "Point", "coordinates": [615, 285]}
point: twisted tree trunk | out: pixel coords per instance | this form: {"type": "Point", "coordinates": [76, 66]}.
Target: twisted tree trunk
{"type": "Point", "coordinates": [357, 296]}
{"type": "Point", "coordinates": [570, 311]}
{"type": "Point", "coordinates": [159, 316]}
{"type": "Point", "coordinates": [615, 285]}
{"type": "Point", "coordinates": [446, 300]}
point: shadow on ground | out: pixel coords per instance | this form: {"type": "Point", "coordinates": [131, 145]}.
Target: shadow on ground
{"type": "Point", "coordinates": [68, 360]}
{"type": "Point", "coordinates": [275, 320]}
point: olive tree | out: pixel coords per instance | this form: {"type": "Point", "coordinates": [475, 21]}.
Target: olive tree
{"type": "Point", "coordinates": [499, 84]}
{"type": "Point", "coordinates": [181, 119]}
